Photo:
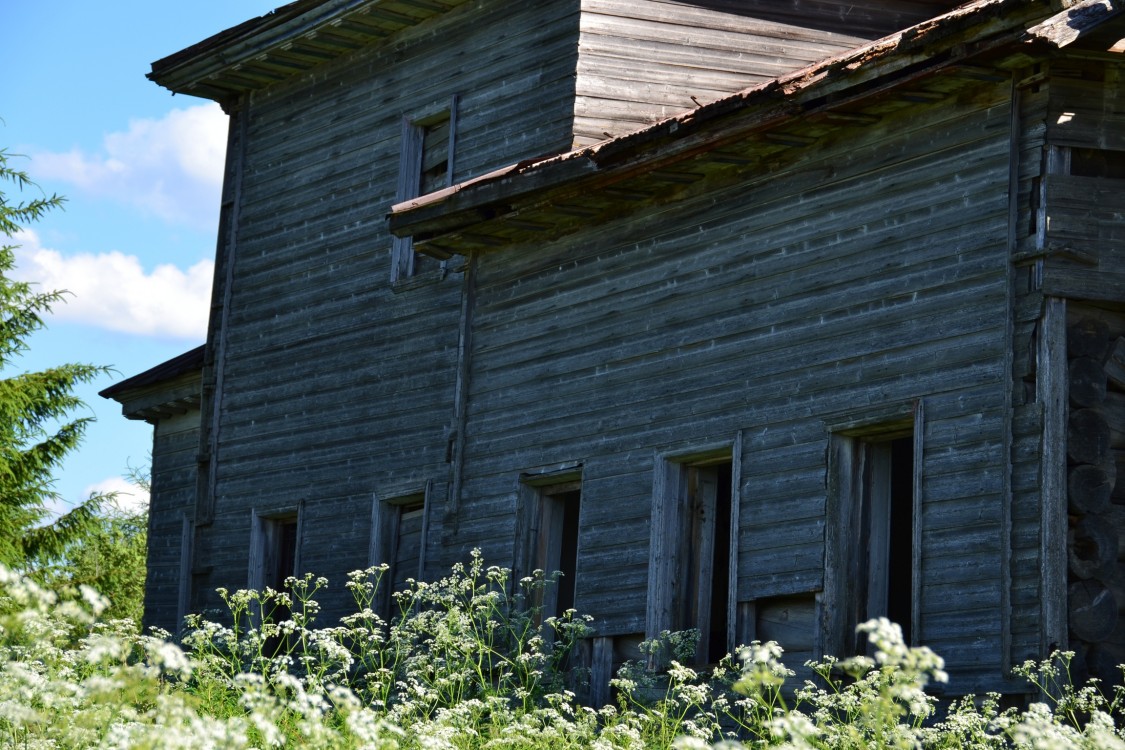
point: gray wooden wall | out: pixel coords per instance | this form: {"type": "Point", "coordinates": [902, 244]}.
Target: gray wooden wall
{"type": "Point", "coordinates": [174, 474]}
{"type": "Point", "coordinates": [643, 60]}
{"type": "Point", "coordinates": [1070, 269]}
{"type": "Point", "coordinates": [336, 387]}
{"type": "Point", "coordinates": [866, 274]}
{"type": "Point", "coordinates": [862, 274]}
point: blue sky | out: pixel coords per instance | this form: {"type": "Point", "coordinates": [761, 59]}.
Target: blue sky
{"type": "Point", "coordinates": [141, 173]}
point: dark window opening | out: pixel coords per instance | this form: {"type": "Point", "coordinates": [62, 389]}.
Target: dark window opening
{"type": "Point", "coordinates": [408, 545]}
{"type": "Point", "coordinates": [887, 534]}
{"type": "Point", "coordinates": [1094, 162]}
{"type": "Point", "coordinates": [435, 157]}
{"type": "Point", "coordinates": [872, 531]}
{"type": "Point", "coordinates": [720, 567]}
{"type": "Point", "coordinates": [703, 600]}
{"type": "Point", "coordinates": [285, 566]}
{"type": "Point", "coordinates": [426, 164]}
{"type": "Point", "coordinates": [900, 579]}
{"type": "Point", "coordinates": [274, 544]}
{"type": "Point", "coordinates": [556, 546]}
{"type": "Point", "coordinates": [398, 539]}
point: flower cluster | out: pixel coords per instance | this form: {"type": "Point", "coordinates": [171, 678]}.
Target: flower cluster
{"type": "Point", "coordinates": [468, 662]}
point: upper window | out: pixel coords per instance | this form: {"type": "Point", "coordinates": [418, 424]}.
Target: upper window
{"type": "Point", "coordinates": [425, 166]}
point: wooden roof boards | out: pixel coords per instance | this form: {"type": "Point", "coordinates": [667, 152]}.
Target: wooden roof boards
{"type": "Point", "coordinates": [290, 39]}
{"type": "Point", "coordinates": [757, 125]}
{"type": "Point", "coordinates": [169, 388]}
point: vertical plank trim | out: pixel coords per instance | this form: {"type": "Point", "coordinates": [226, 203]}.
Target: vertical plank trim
{"type": "Point", "coordinates": [735, 525]}
{"type": "Point", "coordinates": [601, 670]}
{"type": "Point", "coordinates": [427, 503]}
{"type": "Point", "coordinates": [661, 554]}
{"type": "Point", "coordinates": [917, 499]}
{"type": "Point", "coordinates": [461, 390]}
{"type": "Point", "coordinates": [747, 624]}
{"type": "Point", "coordinates": [256, 563]}
{"type": "Point", "coordinates": [183, 599]}
{"type": "Point", "coordinates": [375, 543]}
{"type": "Point", "coordinates": [702, 512]}
{"type": "Point", "coordinates": [300, 532]}
{"type": "Point", "coordinates": [526, 527]}
{"type": "Point", "coordinates": [1051, 392]}
{"type": "Point", "coordinates": [451, 149]}
{"type": "Point", "coordinates": [837, 532]}
{"type": "Point", "coordinates": [876, 482]}
{"type": "Point", "coordinates": [205, 503]}
{"type": "Point", "coordinates": [409, 181]}
{"type": "Point", "coordinates": [549, 548]}
{"type": "Point", "coordinates": [1056, 161]}
{"type": "Point", "coordinates": [1006, 530]}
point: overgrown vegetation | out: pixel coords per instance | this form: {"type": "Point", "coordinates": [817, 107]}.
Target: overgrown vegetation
{"type": "Point", "coordinates": [109, 557]}
{"type": "Point", "coordinates": [37, 429]}
{"type": "Point", "coordinates": [462, 665]}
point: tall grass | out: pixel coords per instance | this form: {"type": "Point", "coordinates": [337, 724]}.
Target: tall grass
{"type": "Point", "coordinates": [463, 664]}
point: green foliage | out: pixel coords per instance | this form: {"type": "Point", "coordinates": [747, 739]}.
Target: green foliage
{"type": "Point", "coordinates": [462, 666]}
{"type": "Point", "coordinates": [109, 557]}
{"type": "Point", "coordinates": [36, 429]}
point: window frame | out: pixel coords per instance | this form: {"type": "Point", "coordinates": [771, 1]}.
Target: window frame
{"type": "Point", "coordinates": [857, 446]}
{"type": "Point", "coordinates": [383, 544]}
{"type": "Point", "coordinates": [266, 537]}
{"type": "Point", "coordinates": [540, 530]}
{"type": "Point", "coordinates": [670, 496]}
{"type": "Point", "coordinates": [411, 159]}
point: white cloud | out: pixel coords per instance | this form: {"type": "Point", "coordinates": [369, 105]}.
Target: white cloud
{"type": "Point", "coordinates": [130, 497]}
{"type": "Point", "coordinates": [171, 167]}
{"type": "Point", "coordinates": [114, 291]}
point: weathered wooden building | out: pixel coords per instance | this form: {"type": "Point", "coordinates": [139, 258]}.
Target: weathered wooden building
{"type": "Point", "coordinates": [757, 317]}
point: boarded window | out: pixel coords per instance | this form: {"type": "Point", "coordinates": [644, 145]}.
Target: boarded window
{"type": "Point", "coordinates": [547, 532]}
{"type": "Point", "coordinates": [426, 164]}
{"type": "Point", "coordinates": [873, 538]}
{"type": "Point", "coordinates": [398, 539]}
{"type": "Point", "coordinates": [693, 564]}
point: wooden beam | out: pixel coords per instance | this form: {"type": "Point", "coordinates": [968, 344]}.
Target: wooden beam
{"type": "Point", "coordinates": [1074, 22]}
{"type": "Point", "coordinates": [1051, 392]}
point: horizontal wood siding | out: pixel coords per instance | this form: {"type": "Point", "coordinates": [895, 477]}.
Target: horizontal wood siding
{"type": "Point", "coordinates": [644, 60]}
{"type": "Point", "coordinates": [337, 387]}
{"type": "Point", "coordinates": [773, 307]}
{"type": "Point", "coordinates": [174, 473]}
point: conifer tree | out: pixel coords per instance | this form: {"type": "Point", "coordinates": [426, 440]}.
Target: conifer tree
{"type": "Point", "coordinates": [37, 429]}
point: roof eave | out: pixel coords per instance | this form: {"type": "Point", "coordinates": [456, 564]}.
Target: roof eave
{"type": "Point", "coordinates": [965, 32]}
{"type": "Point", "coordinates": [238, 59]}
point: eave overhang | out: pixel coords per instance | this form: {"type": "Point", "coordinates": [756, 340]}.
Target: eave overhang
{"type": "Point", "coordinates": [168, 389]}
{"type": "Point", "coordinates": [550, 196]}
{"type": "Point", "coordinates": [285, 42]}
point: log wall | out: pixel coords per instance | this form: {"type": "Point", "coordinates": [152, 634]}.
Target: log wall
{"type": "Point", "coordinates": [174, 472]}
{"type": "Point", "coordinates": [336, 386]}
{"type": "Point", "coordinates": [869, 273]}
{"type": "Point", "coordinates": [1066, 589]}
{"type": "Point", "coordinates": [1085, 264]}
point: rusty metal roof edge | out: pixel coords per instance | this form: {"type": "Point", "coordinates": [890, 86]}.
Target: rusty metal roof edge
{"type": "Point", "coordinates": [850, 63]}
